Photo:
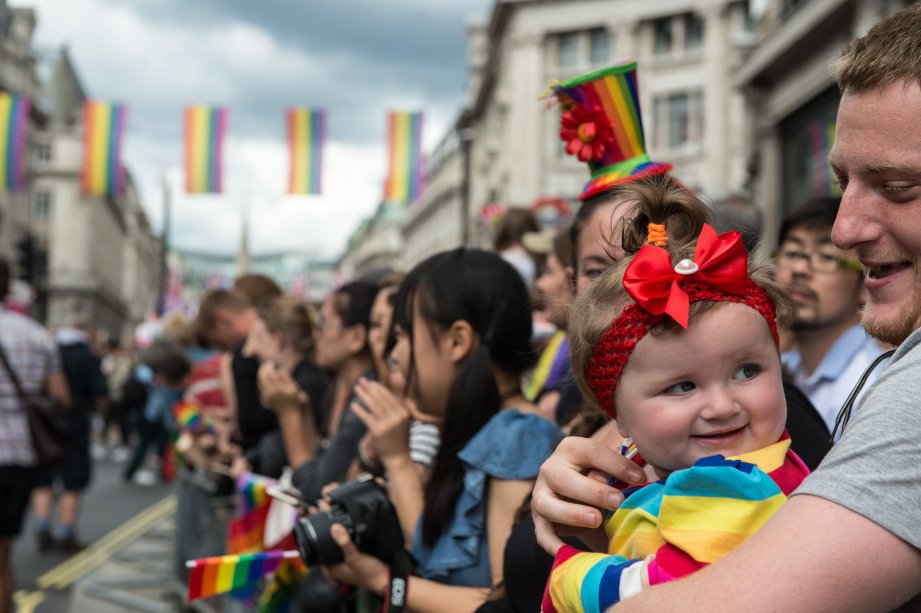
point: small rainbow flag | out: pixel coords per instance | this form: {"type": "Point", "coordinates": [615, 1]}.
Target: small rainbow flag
{"type": "Point", "coordinates": [14, 117]}
{"type": "Point", "coordinates": [404, 138]}
{"type": "Point", "coordinates": [210, 576]}
{"type": "Point", "coordinates": [189, 417]}
{"type": "Point", "coordinates": [103, 129]}
{"type": "Point", "coordinates": [204, 141]}
{"type": "Point", "coordinates": [247, 532]}
{"type": "Point", "coordinates": [253, 491]}
{"type": "Point", "coordinates": [306, 137]}
{"type": "Point", "coordinates": [280, 592]}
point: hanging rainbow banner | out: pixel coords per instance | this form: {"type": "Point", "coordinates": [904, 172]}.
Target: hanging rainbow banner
{"type": "Point", "coordinates": [14, 116]}
{"type": "Point", "coordinates": [103, 128]}
{"type": "Point", "coordinates": [205, 128]}
{"type": "Point", "coordinates": [306, 135]}
{"type": "Point", "coordinates": [404, 181]}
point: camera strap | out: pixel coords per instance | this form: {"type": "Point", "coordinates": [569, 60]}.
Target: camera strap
{"type": "Point", "coordinates": [400, 568]}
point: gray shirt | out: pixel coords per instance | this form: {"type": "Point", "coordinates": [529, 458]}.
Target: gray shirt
{"type": "Point", "coordinates": [875, 469]}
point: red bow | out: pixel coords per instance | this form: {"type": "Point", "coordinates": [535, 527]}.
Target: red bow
{"type": "Point", "coordinates": [653, 282]}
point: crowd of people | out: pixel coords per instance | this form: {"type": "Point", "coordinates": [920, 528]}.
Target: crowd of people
{"type": "Point", "coordinates": [654, 452]}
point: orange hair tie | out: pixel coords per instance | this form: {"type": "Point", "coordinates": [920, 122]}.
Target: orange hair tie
{"type": "Point", "coordinates": [657, 235]}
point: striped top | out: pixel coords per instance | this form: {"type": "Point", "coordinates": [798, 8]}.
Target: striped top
{"type": "Point", "coordinates": [675, 526]}
{"type": "Point", "coordinates": [34, 357]}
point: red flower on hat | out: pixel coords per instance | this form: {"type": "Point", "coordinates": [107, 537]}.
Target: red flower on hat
{"type": "Point", "coordinates": [586, 132]}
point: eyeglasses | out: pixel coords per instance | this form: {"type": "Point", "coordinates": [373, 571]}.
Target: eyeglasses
{"type": "Point", "coordinates": [818, 261]}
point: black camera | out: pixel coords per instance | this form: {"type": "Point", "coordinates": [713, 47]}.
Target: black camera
{"type": "Point", "coordinates": [363, 508]}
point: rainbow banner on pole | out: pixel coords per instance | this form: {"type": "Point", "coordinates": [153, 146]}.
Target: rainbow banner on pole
{"type": "Point", "coordinates": [103, 129]}
{"type": "Point", "coordinates": [14, 116]}
{"type": "Point", "coordinates": [404, 138]}
{"type": "Point", "coordinates": [205, 128]}
{"type": "Point", "coordinates": [210, 576]}
{"type": "Point", "coordinates": [306, 136]}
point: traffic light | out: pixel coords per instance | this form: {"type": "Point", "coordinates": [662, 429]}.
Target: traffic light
{"type": "Point", "coordinates": [25, 257]}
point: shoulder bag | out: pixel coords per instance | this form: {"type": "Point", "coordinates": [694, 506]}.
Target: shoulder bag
{"type": "Point", "coordinates": [49, 422]}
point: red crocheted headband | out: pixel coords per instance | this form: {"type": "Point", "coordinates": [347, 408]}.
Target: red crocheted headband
{"type": "Point", "coordinates": [718, 273]}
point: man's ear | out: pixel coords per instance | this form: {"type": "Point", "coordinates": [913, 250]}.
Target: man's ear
{"type": "Point", "coordinates": [459, 340]}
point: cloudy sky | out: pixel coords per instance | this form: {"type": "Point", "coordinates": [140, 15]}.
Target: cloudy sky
{"type": "Point", "coordinates": [356, 58]}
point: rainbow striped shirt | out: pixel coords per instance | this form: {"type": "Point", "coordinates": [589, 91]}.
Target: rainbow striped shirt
{"type": "Point", "coordinates": [673, 527]}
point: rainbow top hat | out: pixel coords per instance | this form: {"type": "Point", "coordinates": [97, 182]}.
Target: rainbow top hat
{"type": "Point", "coordinates": [602, 125]}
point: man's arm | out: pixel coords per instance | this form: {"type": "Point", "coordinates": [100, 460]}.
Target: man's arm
{"type": "Point", "coordinates": [813, 555]}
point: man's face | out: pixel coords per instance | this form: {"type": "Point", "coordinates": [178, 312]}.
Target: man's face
{"type": "Point", "coordinates": [877, 158]}
{"type": "Point", "coordinates": [810, 267]}
{"type": "Point", "coordinates": [230, 328]}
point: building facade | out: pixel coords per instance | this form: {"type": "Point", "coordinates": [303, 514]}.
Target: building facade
{"type": "Point", "coordinates": [18, 75]}
{"type": "Point", "coordinates": [792, 100]}
{"type": "Point", "coordinates": [687, 52]}
{"type": "Point", "coordinates": [505, 147]}
{"type": "Point", "coordinates": [101, 262]}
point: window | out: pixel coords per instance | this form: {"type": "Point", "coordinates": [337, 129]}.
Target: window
{"type": "Point", "coordinates": [662, 36]}
{"type": "Point", "coordinates": [43, 153]}
{"type": "Point", "coordinates": [41, 206]}
{"type": "Point", "coordinates": [678, 120]}
{"type": "Point", "coordinates": [599, 47]}
{"type": "Point", "coordinates": [693, 31]}
{"type": "Point", "coordinates": [567, 53]}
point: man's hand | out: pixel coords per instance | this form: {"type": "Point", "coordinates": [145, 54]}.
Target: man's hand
{"type": "Point", "coordinates": [573, 484]}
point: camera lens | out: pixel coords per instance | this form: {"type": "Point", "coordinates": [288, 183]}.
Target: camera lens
{"type": "Point", "coordinates": [313, 540]}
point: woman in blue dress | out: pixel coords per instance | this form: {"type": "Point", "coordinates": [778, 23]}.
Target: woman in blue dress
{"type": "Point", "coordinates": [464, 339]}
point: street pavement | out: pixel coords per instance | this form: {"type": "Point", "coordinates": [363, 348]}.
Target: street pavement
{"type": "Point", "coordinates": [128, 528]}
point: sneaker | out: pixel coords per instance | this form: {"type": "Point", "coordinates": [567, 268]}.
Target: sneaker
{"type": "Point", "coordinates": [44, 540]}
{"type": "Point", "coordinates": [120, 454]}
{"type": "Point", "coordinates": [98, 452]}
{"type": "Point", "coordinates": [144, 478]}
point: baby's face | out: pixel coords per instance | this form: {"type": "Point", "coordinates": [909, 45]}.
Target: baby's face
{"type": "Point", "coordinates": [714, 388]}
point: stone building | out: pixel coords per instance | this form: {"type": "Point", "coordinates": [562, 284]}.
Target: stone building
{"type": "Point", "coordinates": [792, 100]}
{"type": "Point", "coordinates": [687, 51]}
{"type": "Point", "coordinates": [103, 260]}
{"type": "Point", "coordinates": [18, 75]}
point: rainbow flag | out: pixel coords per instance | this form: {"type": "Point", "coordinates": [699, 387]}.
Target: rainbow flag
{"type": "Point", "coordinates": [253, 491]}
{"type": "Point", "coordinates": [189, 417]}
{"type": "Point", "coordinates": [246, 533]}
{"type": "Point", "coordinates": [306, 137]}
{"type": "Point", "coordinates": [14, 117]}
{"type": "Point", "coordinates": [404, 138]}
{"type": "Point", "coordinates": [103, 129]}
{"type": "Point", "coordinates": [279, 594]}
{"type": "Point", "coordinates": [205, 128]}
{"type": "Point", "coordinates": [210, 576]}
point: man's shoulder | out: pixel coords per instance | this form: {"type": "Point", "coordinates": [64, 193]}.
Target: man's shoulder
{"type": "Point", "coordinates": [14, 323]}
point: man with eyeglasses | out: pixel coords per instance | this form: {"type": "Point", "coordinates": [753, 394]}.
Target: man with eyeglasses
{"type": "Point", "coordinates": [830, 348]}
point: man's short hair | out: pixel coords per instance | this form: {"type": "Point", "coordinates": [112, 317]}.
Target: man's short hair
{"type": "Point", "coordinates": [4, 277]}
{"type": "Point", "coordinates": [219, 299]}
{"type": "Point", "coordinates": [816, 214]}
{"type": "Point", "coordinates": [167, 359]}
{"type": "Point", "coordinates": [888, 53]}
{"type": "Point", "coordinates": [257, 290]}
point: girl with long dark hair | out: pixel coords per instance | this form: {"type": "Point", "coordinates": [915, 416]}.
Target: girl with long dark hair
{"type": "Point", "coordinates": [464, 338]}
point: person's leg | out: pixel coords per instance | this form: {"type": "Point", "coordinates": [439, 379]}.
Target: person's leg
{"type": "Point", "coordinates": [66, 531]}
{"type": "Point", "coordinates": [42, 506]}
{"type": "Point", "coordinates": [7, 579]}
{"type": "Point", "coordinates": [146, 431]}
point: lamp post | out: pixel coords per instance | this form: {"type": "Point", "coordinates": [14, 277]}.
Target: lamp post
{"type": "Point", "coordinates": [466, 140]}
